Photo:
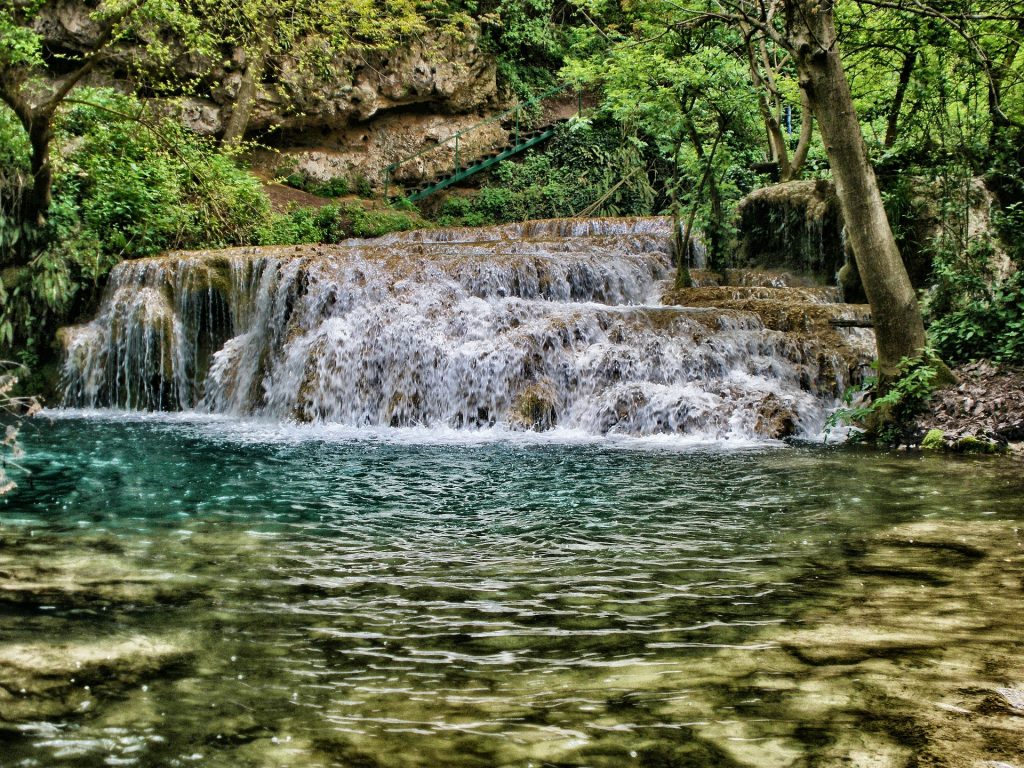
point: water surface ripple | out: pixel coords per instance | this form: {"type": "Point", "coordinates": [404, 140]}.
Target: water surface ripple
{"type": "Point", "coordinates": [177, 592]}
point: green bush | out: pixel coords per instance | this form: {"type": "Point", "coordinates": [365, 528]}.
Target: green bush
{"type": "Point", "coordinates": [374, 223]}
{"type": "Point", "coordinates": [144, 184]}
{"type": "Point", "coordinates": [973, 312]}
{"type": "Point", "coordinates": [336, 187]}
{"type": "Point", "coordinates": [126, 184]}
{"type": "Point", "coordinates": [584, 170]}
{"type": "Point", "coordinates": [303, 225]}
{"type": "Point", "coordinates": [989, 326]}
{"type": "Point", "coordinates": [887, 417]}
{"type": "Point", "coordinates": [361, 185]}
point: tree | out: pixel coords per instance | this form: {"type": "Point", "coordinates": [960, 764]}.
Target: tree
{"type": "Point", "coordinates": [682, 91]}
{"type": "Point", "coordinates": [34, 98]}
{"type": "Point", "coordinates": [810, 35]}
{"type": "Point", "coordinates": [805, 30]}
{"type": "Point", "coordinates": [768, 67]}
{"type": "Point", "coordinates": [311, 35]}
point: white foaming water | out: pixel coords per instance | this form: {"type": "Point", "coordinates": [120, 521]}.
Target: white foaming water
{"type": "Point", "coordinates": [536, 326]}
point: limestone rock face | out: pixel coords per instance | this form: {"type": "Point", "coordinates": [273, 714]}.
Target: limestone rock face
{"type": "Point", "coordinates": [449, 75]}
{"type": "Point", "coordinates": [796, 225]}
{"type": "Point", "coordinates": [435, 73]}
{"type": "Point", "coordinates": [365, 149]}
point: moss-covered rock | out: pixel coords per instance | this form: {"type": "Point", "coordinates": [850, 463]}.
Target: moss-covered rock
{"type": "Point", "coordinates": [934, 440]}
{"type": "Point", "coordinates": [536, 407]}
{"type": "Point", "coordinates": [974, 444]}
{"type": "Point", "coordinates": [796, 225]}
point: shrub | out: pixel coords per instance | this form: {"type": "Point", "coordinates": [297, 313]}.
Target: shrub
{"type": "Point", "coordinates": [127, 184]}
{"type": "Point", "coordinates": [303, 225]}
{"type": "Point", "coordinates": [990, 326]}
{"type": "Point", "coordinates": [376, 222]}
{"type": "Point", "coordinates": [886, 418]}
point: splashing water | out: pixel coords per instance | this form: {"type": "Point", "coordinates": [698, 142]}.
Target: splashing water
{"type": "Point", "coordinates": [527, 326]}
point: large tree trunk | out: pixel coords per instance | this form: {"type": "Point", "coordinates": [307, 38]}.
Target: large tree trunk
{"type": "Point", "coordinates": [31, 206]}
{"type": "Point", "coordinates": [899, 329]}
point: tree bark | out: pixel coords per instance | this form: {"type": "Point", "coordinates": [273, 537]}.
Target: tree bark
{"type": "Point", "coordinates": [36, 204]}
{"type": "Point", "coordinates": [899, 329]}
{"type": "Point", "coordinates": [683, 279]}
{"type": "Point", "coordinates": [790, 168]}
{"type": "Point", "coordinates": [777, 149]}
{"type": "Point", "coordinates": [241, 110]}
{"type": "Point", "coordinates": [997, 76]}
{"type": "Point", "coordinates": [892, 124]}
{"type": "Point", "coordinates": [714, 233]}
{"type": "Point", "coordinates": [803, 145]}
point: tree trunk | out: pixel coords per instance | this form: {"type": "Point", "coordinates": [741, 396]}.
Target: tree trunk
{"type": "Point", "coordinates": [31, 207]}
{"type": "Point", "coordinates": [245, 99]}
{"type": "Point", "coordinates": [803, 145]}
{"type": "Point", "coordinates": [899, 329]}
{"type": "Point", "coordinates": [683, 279]}
{"type": "Point", "coordinates": [777, 150]}
{"type": "Point", "coordinates": [36, 204]}
{"type": "Point", "coordinates": [997, 76]}
{"type": "Point", "coordinates": [714, 233]}
{"type": "Point", "coordinates": [892, 124]}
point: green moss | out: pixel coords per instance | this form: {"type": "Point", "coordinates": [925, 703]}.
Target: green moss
{"type": "Point", "coordinates": [536, 407]}
{"type": "Point", "coordinates": [935, 440]}
{"type": "Point", "coordinates": [970, 444]}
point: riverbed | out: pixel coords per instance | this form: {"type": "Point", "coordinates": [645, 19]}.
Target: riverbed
{"type": "Point", "coordinates": [197, 590]}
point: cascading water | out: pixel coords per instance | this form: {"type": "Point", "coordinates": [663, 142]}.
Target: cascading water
{"type": "Point", "coordinates": [538, 325]}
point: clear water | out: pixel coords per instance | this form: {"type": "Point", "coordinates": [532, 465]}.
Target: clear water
{"type": "Point", "coordinates": [183, 591]}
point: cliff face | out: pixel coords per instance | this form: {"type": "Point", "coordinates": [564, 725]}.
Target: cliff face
{"type": "Point", "coordinates": [368, 110]}
{"type": "Point", "coordinates": [436, 73]}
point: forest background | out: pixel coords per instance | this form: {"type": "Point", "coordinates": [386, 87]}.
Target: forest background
{"type": "Point", "coordinates": [691, 108]}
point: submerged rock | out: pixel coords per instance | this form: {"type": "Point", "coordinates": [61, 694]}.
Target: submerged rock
{"type": "Point", "coordinates": [36, 572]}
{"type": "Point", "coordinates": [912, 604]}
{"type": "Point", "coordinates": [58, 679]}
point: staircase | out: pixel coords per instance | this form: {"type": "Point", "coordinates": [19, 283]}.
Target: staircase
{"type": "Point", "coordinates": [524, 136]}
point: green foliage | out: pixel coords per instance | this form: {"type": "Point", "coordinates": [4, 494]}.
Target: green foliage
{"type": "Point", "coordinates": [887, 416]}
{"type": "Point", "coordinates": [145, 184]}
{"type": "Point", "coordinates": [362, 186]}
{"type": "Point", "coordinates": [127, 184]}
{"type": "Point", "coordinates": [974, 312]}
{"type": "Point", "coordinates": [337, 186]}
{"type": "Point", "coordinates": [989, 326]}
{"type": "Point", "coordinates": [376, 222]}
{"type": "Point", "coordinates": [524, 36]}
{"type": "Point", "coordinates": [303, 225]}
{"type": "Point", "coordinates": [587, 168]}
{"type": "Point", "coordinates": [332, 224]}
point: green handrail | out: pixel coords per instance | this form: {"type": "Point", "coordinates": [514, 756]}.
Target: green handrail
{"type": "Point", "coordinates": [515, 110]}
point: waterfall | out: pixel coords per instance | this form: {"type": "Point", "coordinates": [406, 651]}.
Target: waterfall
{"type": "Point", "coordinates": [526, 326]}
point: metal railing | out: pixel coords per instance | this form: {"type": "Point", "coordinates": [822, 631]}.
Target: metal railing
{"type": "Point", "coordinates": [515, 113]}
